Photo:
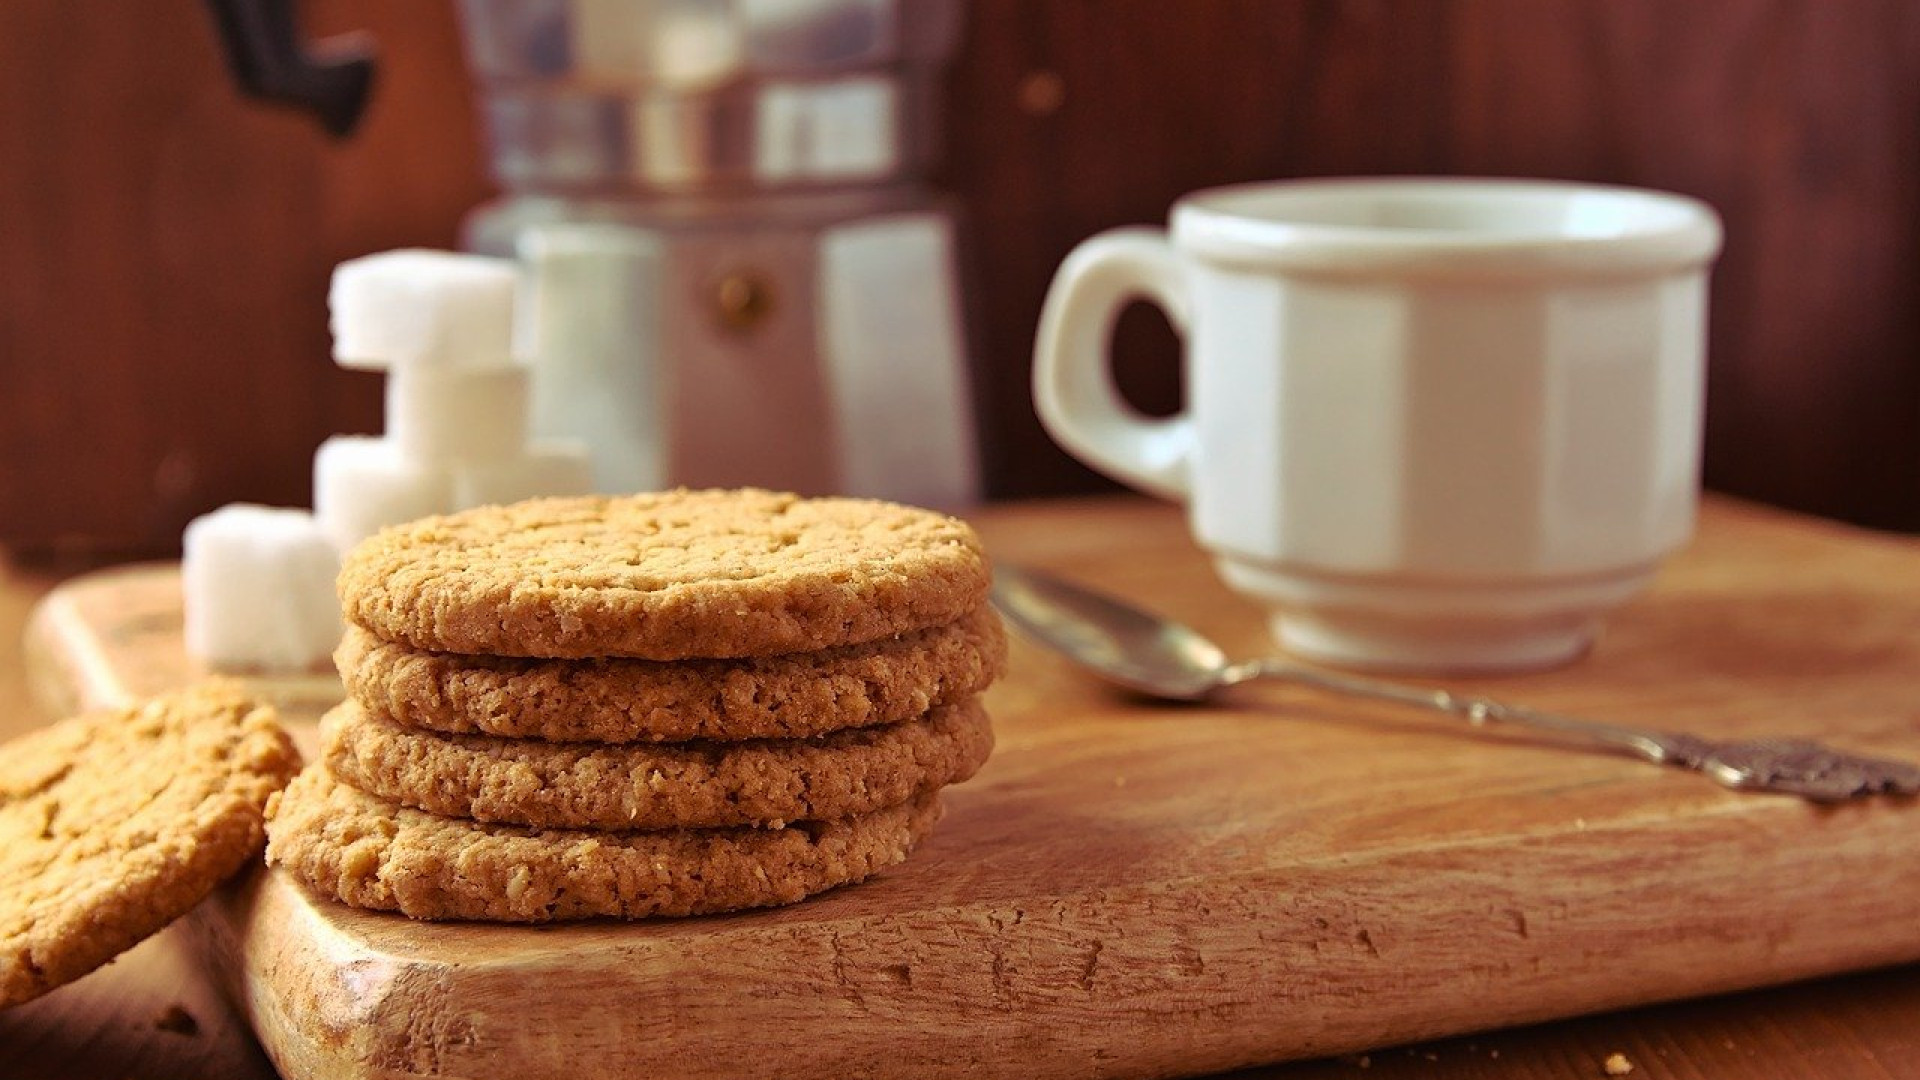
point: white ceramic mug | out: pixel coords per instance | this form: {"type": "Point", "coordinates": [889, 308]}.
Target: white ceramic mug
{"type": "Point", "coordinates": [1433, 425]}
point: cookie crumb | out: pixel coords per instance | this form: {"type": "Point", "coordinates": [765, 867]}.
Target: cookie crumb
{"type": "Point", "coordinates": [176, 1020]}
{"type": "Point", "coordinates": [1617, 1064]}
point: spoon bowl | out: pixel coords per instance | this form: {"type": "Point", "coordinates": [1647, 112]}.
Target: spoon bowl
{"type": "Point", "coordinates": [1123, 644]}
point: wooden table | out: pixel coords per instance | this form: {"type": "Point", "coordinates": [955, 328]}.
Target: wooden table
{"type": "Point", "coordinates": [126, 1020]}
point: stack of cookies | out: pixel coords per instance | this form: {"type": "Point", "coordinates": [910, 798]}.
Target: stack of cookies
{"type": "Point", "coordinates": [663, 704]}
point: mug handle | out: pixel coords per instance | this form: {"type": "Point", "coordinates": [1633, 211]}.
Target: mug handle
{"type": "Point", "coordinates": [1073, 388]}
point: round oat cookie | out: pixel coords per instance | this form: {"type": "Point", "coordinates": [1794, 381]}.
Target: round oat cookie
{"type": "Point", "coordinates": [623, 700]}
{"type": "Point", "coordinates": [371, 853]}
{"type": "Point", "coordinates": [673, 575]}
{"type": "Point", "coordinates": [114, 823]}
{"type": "Point", "coordinates": [655, 785]}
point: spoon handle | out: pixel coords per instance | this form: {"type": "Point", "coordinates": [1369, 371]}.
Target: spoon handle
{"type": "Point", "coordinates": [1652, 745]}
{"type": "Point", "coordinates": [1795, 767]}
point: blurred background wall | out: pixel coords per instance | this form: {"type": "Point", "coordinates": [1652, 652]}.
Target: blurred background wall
{"type": "Point", "coordinates": [165, 245]}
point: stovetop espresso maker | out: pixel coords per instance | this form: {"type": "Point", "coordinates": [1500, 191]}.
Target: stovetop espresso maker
{"type": "Point", "coordinates": [738, 273]}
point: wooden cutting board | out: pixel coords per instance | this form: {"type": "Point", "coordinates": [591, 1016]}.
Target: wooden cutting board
{"type": "Point", "coordinates": [1139, 890]}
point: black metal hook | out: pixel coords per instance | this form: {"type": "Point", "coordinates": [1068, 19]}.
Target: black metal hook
{"type": "Point", "coordinates": [269, 61]}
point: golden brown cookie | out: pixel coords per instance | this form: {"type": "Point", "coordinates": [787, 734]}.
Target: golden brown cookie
{"type": "Point", "coordinates": [115, 823]}
{"type": "Point", "coordinates": [672, 575]}
{"type": "Point", "coordinates": [656, 785]}
{"type": "Point", "coordinates": [371, 853]}
{"type": "Point", "coordinates": [622, 700]}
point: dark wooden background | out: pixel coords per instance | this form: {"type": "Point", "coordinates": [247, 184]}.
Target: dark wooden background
{"type": "Point", "coordinates": [164, 246]}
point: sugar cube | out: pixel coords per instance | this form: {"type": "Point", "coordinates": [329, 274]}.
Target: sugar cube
{"type": "Point", "coordinates": [362, 484]}
{"type": "Point", "coordinates": [258, 584]}
{"type": "Point", "coordinates": [450, 415]}
{"type": "Point", "coordinates": [547, 467]}
{"type": "Point", "coordinates": [416, 308]}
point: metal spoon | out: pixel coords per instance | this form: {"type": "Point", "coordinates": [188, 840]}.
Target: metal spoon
{"type": "Point", "coordinates": [1164, 659]}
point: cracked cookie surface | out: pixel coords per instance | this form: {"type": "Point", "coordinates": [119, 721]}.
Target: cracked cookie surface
{"type": "Point", "coordinates": [372, 853]}
{"type": "Point", "coordinates": [625, 700]}
{"type": "Point", "coordinates": [670, 575]}
{"type": "Point", "coordinates": [116, 822]}
{"type": "Point", "coordinates": [656, 785]}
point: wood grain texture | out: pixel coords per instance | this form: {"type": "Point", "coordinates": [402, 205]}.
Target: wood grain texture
{"type": "Point", "coordinates": [1131, 890]}
{"type": "Point", "coordinates": [1835, 1029]}
{"type": "Point", "coordinates": [162, 284]}
{"type": "Point", "coordinates": [152, 1012]}
{"type": "Point", "coordinates": [163, 323]}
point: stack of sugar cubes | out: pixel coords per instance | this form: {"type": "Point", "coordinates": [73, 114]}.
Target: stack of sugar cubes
{"type": "Point", "coordinates": [258, 580]}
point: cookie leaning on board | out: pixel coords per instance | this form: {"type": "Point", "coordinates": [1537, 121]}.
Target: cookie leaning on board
{"type": "Point", "coordinates": [662, 704]}
{"type": "Point", "coordinates": [114, 823]}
